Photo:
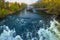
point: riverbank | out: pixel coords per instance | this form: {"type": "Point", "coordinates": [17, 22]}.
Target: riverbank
{"type": "Point", "coordinates": [7, 8]}
{"type": "Point", "coordinates": [12, 13]}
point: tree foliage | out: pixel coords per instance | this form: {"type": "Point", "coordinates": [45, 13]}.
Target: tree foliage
{"type": "Point", "coordinates": [9, 8]}
{"type": "Point", "coordinates": [53, 6]}
{"type": "Point", "coordinates": [14, 7]}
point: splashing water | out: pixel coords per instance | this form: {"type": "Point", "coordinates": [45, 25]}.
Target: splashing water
{"type": "Point", "coordinates": [7, 34]}
{"type": "Point", "coordinates": [26, 26]}
{"type": "Point", "coordinates": [50, 33]}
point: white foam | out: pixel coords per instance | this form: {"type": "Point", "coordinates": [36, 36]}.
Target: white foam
{"type": "Point", "coordinates": [8, 34]}
{"type": "Point", "coordinates": [49, 34]}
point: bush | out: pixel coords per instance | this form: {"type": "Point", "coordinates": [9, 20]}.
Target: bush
{"type": "Point", "coordinates": [53, 6]}
{"type": "Point", "coordinates": [3, 12]}
{"type": "Point", "coordinates": [9, 8]}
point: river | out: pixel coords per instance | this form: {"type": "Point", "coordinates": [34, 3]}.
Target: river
{"type": "Point", "coordinates": [23, 26]}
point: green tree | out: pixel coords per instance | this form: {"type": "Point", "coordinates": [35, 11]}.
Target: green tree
{"type": "Point", "coordinates": [3, 13]}
{"type": "Point", "coordinates": [7, 8]}
{"type": "Point", "coordinates": [52, 6]}
{"type": "Point", "coordinates": [6, 5]}
{"type": "Point", "coordinates": [1, 3]}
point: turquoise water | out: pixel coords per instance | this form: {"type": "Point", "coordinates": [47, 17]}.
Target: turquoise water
{"type": "Point", "coordinates": [23, 26]}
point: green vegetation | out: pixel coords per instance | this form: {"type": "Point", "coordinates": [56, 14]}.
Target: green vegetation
{"type": "Point", "coordinates": [52, 6]}
{"type": "Point", "coordinates": [7, 8]}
